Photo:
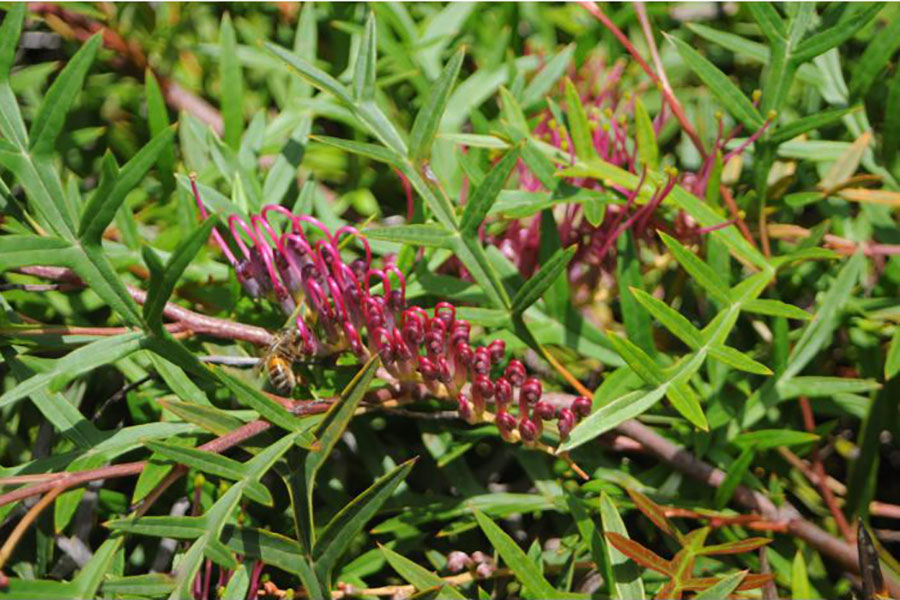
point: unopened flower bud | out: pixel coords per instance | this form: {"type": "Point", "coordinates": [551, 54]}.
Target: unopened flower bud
{"type": "Point", "coordinates": [544, 410]}
{"type": "Point", "coordinates": [443, 367]}
{"type": "Point", "coordinates": [502, 392]}
{"type": "Point", "coordinates": [497, 349]}
{"type": "Point", "coordinates": [566, 422]}
{"type": "Point", "coordinates": [531, 390]}
{"type": "Point", "coordinates": [505, 422]}
{"type": "Point", "coordinates": [446, 313]}
{"type": "Point", "coordinates": [427, 368]}
{"type": "Point", "coordinates": [479, 557]}
{"type": "Point", "coordinates": [515, 373]}
{"type": "Point", "coordinates": [527, 430]}
{"type": "Point", "coordinates": [464, 406]}
{"type": "Point", "coordinates": [481, 363]}
{"type": "Point", "coordinates": [581, 406]}
{"type": "Point", "coordinates": [396, 301]}
{"type": "Point", "coordinates": [434, 343]}
{"type": "Point", "coordinates": [485, 570]}
{"type": "Point", "coordinates": [457, 561]}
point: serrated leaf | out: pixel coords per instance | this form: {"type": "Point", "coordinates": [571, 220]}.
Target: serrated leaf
{"type": "Point", "coordinates": [479, 204]}
{"type": "Point", "coordinates": [337, 535]}
{"type": "Point", "coordinates": [59, 97]}
{"type": "Point", "coordinates": [535, 287]}
{"type": "Point", "coordinates": [732, 99]}
{"type": "Point", "coordinates": [428, 119]}
{"type": "Point", "coordinates": [516, 559]}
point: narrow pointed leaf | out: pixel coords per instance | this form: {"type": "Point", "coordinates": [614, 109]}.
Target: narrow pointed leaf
{"type": "Point", "coordinates": [579, 126]}
{"type": "Point", "coordinates": [58, 100]}
{"type": "Point", "coordinates": [842, 31]}
{"type": "Point", "coordinates": [417, 576]}
{"type": "Point", "coordinates": [671, 319]}
{"type": "Point", "coordinates": [738, 360]}
{"type": "Point", "coordinates": [639, 554]}
{"type": "Point", "coordinates": [734, 101]}
{"type": "Point", "coordinates": [722, 589]}
{"type": "Point", "coordinates": [705, 276]}
{"type": "Point", "coordinates": [232, 84]}
{"type": "Point", "coordinates": [648, 150]}
{"type": "Point", "coordinates": [364, 69]}
{"type": "Point", "coordinates": [482, 199]}
{"type": "Point", "coordinates": [535, 287]}
{"type": "Point", "coordinates": [627, 583]}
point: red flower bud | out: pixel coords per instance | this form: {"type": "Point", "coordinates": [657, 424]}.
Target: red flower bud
{"type": "Point", "coordinates": [427, 368]}
{"type": "Point", "coordinates": [531, 390]}
{"type": "Point", "coordinates": [505, 422]}
{"type": "Point", "coordinates": [527, 430]}
{"type": "Point", "coordinates": [481, 363]}
{"type": "Point", "coordinates": [497, 349]}
{"type": "Point", "coordinates": [457, 561]}
{"type": "Point", "coordinates": [515, 372]}
{"type": "Point", "coordinates": [544, 411]}
{"type": "Point", "coordinates": [502, 392]}
{"type": "Point", "coordinates": [566, 422]}
{"type": "Point", "coordinates": [581, 406]}
{"type": "Point", "coordinates": [464, 406]}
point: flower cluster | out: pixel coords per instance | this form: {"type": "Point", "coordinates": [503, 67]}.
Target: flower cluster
{"type": "Point", "coordinates": [479, 563]}
{"type": "Point", "coordinates": [339, 306]}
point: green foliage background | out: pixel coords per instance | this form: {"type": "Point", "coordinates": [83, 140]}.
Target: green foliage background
{"type": "Point", "coordinates": [709, 340]}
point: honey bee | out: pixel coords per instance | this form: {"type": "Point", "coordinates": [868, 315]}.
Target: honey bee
{"type": "Point", "coordinates": [278, 361]}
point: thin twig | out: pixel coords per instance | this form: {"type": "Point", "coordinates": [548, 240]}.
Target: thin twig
{"type": "Point", "coordinates": [22, 526]}
{"type": "Point", "coordinates": [809, 422]}
{"type": "Point", "coordinates": [595, 10]}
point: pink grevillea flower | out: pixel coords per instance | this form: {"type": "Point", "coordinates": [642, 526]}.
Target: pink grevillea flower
{"type": "Point", "coordinates": [339, 306]}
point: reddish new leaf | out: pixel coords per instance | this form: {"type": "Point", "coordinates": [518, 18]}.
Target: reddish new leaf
{"type": "Point", "coordinates": [736, 547]}
{"type": "Point", "coordinates": [750, 582]}
{"type": "Point", "coordinates": [654, 512]}
{"type": "Point", "coordinates": [642, 556]}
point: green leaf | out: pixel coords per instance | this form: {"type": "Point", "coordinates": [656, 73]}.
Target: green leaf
{"type": "Point", "coordinates": [627, 582]}
{"type": "Point", "coordinates": [628, 275]}
{"type": "Point", "coordinates": [150, 584]}
{"type": "Point", "coordinates": [811, 122]}
{"type": "Point", "coordinates": [770, 22]}
{"type": "Point", "coordinates": [764, 439]}
{"type": "Point", "coordinates": [579, 126]}
{"type": "Point", "coordinates": [639, 361]}
{"type": "Point", "coordinates": [158, 119]}
{"type": "Point", "coordinates": [76, 363]}
{"type": "Point", "coordinates": [535, 287]}
{"type": "Point", "coordinates": [238, 583]}
{"type": "Point", "coordinates": [27, 250]}
{"type": "Point", "coordinates": [648, 150]}
{"type": "Point", "coordinates": [725, 586]}
{"type": "Point", "coordinates": [163, 284]}
{"type": "Point", "coordinates": [738, 360]}
{"type": "Point", "coordinates": [473, 256]}
{"type": "Point", "coordinates": [232, 83]}
{"type": "Point", "coordinates": [734, 101]}
{"type": "Point", "coordinates": [338, 534]}
{"type": "Point", "coordinates": [284, 171]}
{"type": "Point", "coordinates": [315, 76]}
{"type": "Point", "coordinates": [517, 561]}
{"type": "Point", "coordinates": [101, 208]}
{"type": "Point", "coordinates": [327, 433]}
{"type": "Point", "coordinates": [9, 38]}
{"type": "Point", "coordinates": [180, 528]}
{"type": "Point", "coordinates": [364, 69]}
{"type": "Point", "coordinates": [892, 362]}
{"type": "Point", "coordinates": [776, 308]}
{"type": "Point", "coordinates": [817, 386]}
{"type": "Point", "coordinates": [671, 319]}
{"type": "Point", "coordinates": [733, 477]}
{"type": "Point", "coordinates": [428, 119]}
{"type": "Point", "coordinates": [267, 408]}
{"type": "Point", "coordinates": [373, 151]}
{"type": "Point", "coordinates": [843, 30]}
{"type": "Point", "coordinates": [214, 464]}
{"type": "Point", "coordinates": [417, 576]}
{"type": "Point", "coordinates": [482, 199]}
{"type": "Point", "coordinates": [541, 84]}
{"type": "Point", "coordinates": [704, 275]}
{"type": "Point", "coordinates": [800, 587]}
{"type": "Point", "coordinates": [58, 100]}
{"type": "Point", "coordinates": [819, 331]}
{"type": "Point", "coordinates": [891, 128]}
{"type": "Point", "coordinates": [430, 235]}
{"type": "Point", "coordinates": [686, 402]}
